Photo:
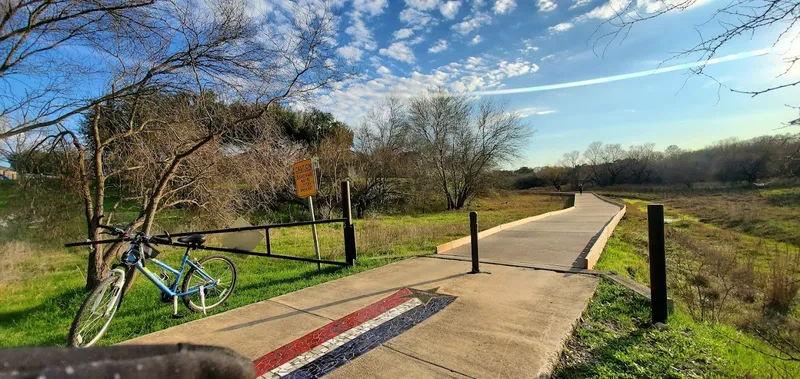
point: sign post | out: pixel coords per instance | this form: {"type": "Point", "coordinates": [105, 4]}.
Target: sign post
{"type": "Point", "coordinates": [306, 182]}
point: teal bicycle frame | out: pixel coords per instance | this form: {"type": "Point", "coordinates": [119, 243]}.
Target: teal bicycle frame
{"type": "Point", "coordinates": [172, 290]}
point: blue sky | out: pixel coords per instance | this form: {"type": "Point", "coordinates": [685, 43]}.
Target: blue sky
{"type": "Point", "coordinates": [405, 47]}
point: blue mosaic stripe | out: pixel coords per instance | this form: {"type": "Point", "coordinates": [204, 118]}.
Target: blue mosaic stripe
{"type": "Point", "coordinates": [370, 340]}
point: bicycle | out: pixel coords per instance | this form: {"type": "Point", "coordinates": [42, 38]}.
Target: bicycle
{"type": "Point", "coordinates": [212, 278]}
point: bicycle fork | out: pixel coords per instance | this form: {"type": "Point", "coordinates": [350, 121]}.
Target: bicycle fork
{"type": "Point", "coordinates": [203, 298]}
{"type": "Point", "coordinates": [116, 290]}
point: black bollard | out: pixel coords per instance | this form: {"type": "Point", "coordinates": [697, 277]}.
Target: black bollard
{"type": "Point", "coordinates": [473, 231]}
{"type": "Point", "coordinates": [658, 263]}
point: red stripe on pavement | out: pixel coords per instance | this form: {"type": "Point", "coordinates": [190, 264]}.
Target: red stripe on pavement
{"type": "Point", "coordinates": [311, 340]}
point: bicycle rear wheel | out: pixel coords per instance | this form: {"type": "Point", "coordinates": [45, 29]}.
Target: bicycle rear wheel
{"type": "Point", "coordinates": [97, 311]}
{"type": "Point", "coordinates": [219, 269]}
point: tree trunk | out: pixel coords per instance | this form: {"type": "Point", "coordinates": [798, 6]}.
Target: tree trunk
{"type": "Point", "coordinates": [98, 269]}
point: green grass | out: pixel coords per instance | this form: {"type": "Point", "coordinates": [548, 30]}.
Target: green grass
{"type": "Point", "coordinates": [6, 191]}
{"type": "Point", "coordinates": [615, 339]}
{"type": "Point", "coordinates": [39, 302]}
{"type": "Point", "coordinates": [41, 312]}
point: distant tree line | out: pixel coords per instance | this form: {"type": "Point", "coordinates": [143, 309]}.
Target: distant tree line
{"type": "Point", "coordinates": [731, 160]}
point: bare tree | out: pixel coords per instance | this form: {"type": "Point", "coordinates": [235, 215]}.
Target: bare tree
{"type": "Point", "coordinates": [642, 158]}
{"type": "Point", "coordinates": [39, 67]}
{"type": "Point", "coordinates": [573, 162]}
{"type": "Point", "coordinates": [458, 142]}
{"type": "Point", "coordinates": [594, 158]}
{"type": "Point", "coordinates": [214, 49]}
{"type": "Point", "coordinates": [686, 168]}
{"type": "Point", "coordinates": [555, 175]}
{"type": "Point", "coordinates": [19, 144]}
{"type": "Point", "coordinates": [381, 155]}
{"type": "Point", "coordinates": [733, 20]}
{"type": "Point", "coordinates": [607, 162]}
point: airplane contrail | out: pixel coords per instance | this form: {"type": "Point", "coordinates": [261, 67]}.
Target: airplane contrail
{"type": "Point", "coordinates": [660, 70]}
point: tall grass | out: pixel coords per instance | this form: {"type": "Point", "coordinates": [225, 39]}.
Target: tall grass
{"type": "Point", "coordinates": [720, 277]}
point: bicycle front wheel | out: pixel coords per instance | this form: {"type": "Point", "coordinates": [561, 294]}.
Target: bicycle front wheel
{"type": "Point", "coordinates": [97, 311]}
{"type": "Point", "coordinates": [215, 268]}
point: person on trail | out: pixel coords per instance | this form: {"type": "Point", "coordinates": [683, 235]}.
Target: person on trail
{"type": "Point", "coordinates": [580, 188]}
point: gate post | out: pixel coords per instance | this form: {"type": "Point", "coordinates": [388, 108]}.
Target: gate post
{"type": "Point", "coordinates": [349, 230]}
{"type": "Point", "coordinates": [658, 264]}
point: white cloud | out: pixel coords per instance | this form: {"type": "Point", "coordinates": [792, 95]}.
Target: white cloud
{"type": "Point", "coordinates": [371, 7]}
{"type": "Point", "coordinates": [472, 22]}
{"type": "Point", "coordinates": [450, 9]}
{"type": "Point", "coordinates": [399, 51]}
{"type": "Point", "coordinates": [548, 57]}
{"type": "Point", "coordinates": [534, 111]}
{"type": "Point", "coordinates": [516, 68]}
{"type": "Point", "coordinates": [422, 4]}
{"type": "Point", "coordinates": [476, 40]}
{"type": "Point", "coordinates": [438, 47]}
{"type": "Point", "coordinates": [403, 33]}
{"type": "Point", "coordinates": [351, 101]}
{"type": "Point", "coordinates": [529, 47]}
{"type": "Point", "coordinates": [562, 27]}
{"type": "Point", "coordinates": [416, 19]}
{"type": "Point", "coordinates": [362, 36]}
{"type": "Point", "coordinates": [613, 8]}
{"type": "Point", "coordinates": [384, 71]}
{"type": "Point", "coordinates": [547, 5]}
{"type": "Point", "coordinates": [607, 10]}
{"type": "Point", "coordinates": [416, 40]}
{"type": "Point", "coordinates": [350, 53]}
{"type": "Point", "coordinates": [504, 6]}
{"type": "Point", "coordinates": [580, 3]}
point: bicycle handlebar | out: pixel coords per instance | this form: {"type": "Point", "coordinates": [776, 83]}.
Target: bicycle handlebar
{"type": "Point", "coordinates": [114, 231]}
{"type": "Point", "coordinates": [125, 237]}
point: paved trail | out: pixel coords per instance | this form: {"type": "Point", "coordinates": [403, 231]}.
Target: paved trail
{"type": "Point", "coordinates": [509, 322]}
{"type": "Point", "coordinates": [562, 239]}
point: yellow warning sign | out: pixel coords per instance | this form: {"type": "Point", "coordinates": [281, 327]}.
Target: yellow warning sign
{"type": "Point", "coordinates": [304, 178]}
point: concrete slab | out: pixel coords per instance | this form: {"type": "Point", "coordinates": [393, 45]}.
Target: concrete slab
{"type": "Point", "coordinates": [341, 297]}
{"type": "Point", "coordinates": [561, 239]}
{"type": "Point", "coordinates": [510, 323]}
{"type": "Point", "coordinates": [386, 363]}
{"type": "Point", "coordinates": [251, 331]}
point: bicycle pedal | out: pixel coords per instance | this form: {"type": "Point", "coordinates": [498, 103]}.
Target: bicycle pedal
{"type": "Point", "coordinates": [166, 298]}
{"type": "Point", "coordinates": [178, 316]}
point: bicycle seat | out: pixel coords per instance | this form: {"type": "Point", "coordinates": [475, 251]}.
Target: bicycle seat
{"type": "Point", "coordinates": [193, 239]}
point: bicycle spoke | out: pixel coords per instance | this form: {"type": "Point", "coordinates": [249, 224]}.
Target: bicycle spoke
{"type": "Point", "coordinates": [95, 318]}
{"type": "Point", "coordinates": [221, 273]}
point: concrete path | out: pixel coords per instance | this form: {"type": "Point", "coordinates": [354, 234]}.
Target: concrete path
{"type": "Point", "coordinates": [562, 239]}
{"type": "Point", "coordinates": [506, 322]}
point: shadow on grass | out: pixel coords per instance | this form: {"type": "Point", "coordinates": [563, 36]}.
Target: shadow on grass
{"type": "Point", "coordinates": [62, 302]}
{"type": "Point", "coordinates": [612, 354]}
{"type": "Point", "coordinates": [44, 323]}
{"type": "Point", "coordinates": [612, 338]}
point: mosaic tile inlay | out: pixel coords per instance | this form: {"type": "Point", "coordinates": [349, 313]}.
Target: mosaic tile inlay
{"type": "Point", "coordinates": [334, 344]}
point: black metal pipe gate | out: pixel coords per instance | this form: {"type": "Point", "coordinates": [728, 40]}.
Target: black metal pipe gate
{"type": "Point", "coordinates": [346, 220]}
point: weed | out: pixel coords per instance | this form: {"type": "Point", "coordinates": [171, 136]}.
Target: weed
{"type": "Point", "coordinates": [782, 283]}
